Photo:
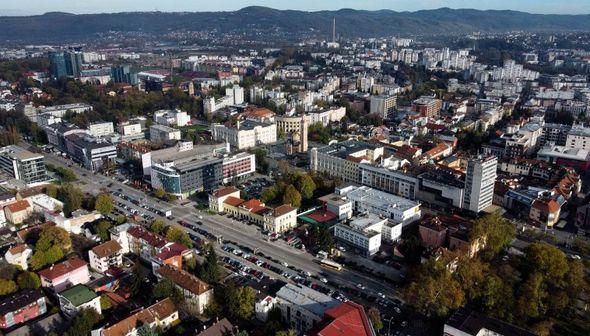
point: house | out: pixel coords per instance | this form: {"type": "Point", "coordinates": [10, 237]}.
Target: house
{"type": "Point", "coordinates": [219, 196]}
{"type": "Point", "coordinates": [22, 307]}
{"type": "Point", "coordinates": [17, 212]}
{"type": "Point", "coordinates": [280, 219]}
{"type": "Point", "coordinates": [76, 298]}
{"type": "Point", "coordinates": [221, 328]}
{"type": "Point", "coordinates": [197, 293]}
{"type": "Point", "coordinates": [19, 255]}
{"type": "Point", "coordinates": [105, 256]}
{"type": "Point", "coordinates": [348, 318]}
{"type": "Point", "coordinates": [545, 211]}
{"type": "Point", "coordinates": [465, 322]}
{"type": "Point", "coordinates": [74, 223]}
{"type": "Point", "coordinates": [263, 307]}
{"type": "Point", "coordinates": [302, 308]}
{"type": "Point", "coordinates": [66, 274]}
{"type": "Point", "coordinates": [161, 315]}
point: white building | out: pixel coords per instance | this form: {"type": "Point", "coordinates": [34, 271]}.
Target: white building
{"type": "Point", "coordinates": [389, 179]}
{"type": "Point", "coordinates": [368, 200]}
{"type": "Point", "coordinates": [77, 298]}
{"type": "Point", "coordinates": [383, 105]}
{"type": "Point", "coordinates": [479, 183]}
{"type": "Point", "coordinates": [197, 294]}
{"type": "Point", "coordinates": [105, 256]}
{"type": "Point", "coordinates": [101, 129]}
{"type": "Point", "coordinates": [172, 118]}
{"type": "Point", "coordinates": [366, 232]}
{"type": "Point", "coordinates": [161, 133]}
{"type": "Point", "coordinates": [236, 93]}
{"type": "Point", "coordinates": [246, 134]}
{"type": "Point", "coordinates": [302, 308]}
{"type": "Point", "coordinates": [578, 137]}
{"type": "Point", "coordinates": [264, 306]}
{"type": "Point", "coordinates": [19, 255]}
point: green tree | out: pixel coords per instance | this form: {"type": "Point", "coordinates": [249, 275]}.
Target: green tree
{"type": "Point", "coordinates": [269, 194]}
{"type": "Point", "coordinates": [28, 280]}
{"type": "Point", "coordinates": [325, 239]}
{"type": "Point", "coordinates": [72, 198]}
{"type": "Point", "coordinates": [53, 236]}
{"type": "Point", "coordinates": [241, 302]}
{"type": "Point", "coordinates": [306, 186]}
{"type": "Point", "coordinates": [104, 204]}
{"type": "Point", "coordinates": [210, 271]}
{"type": "Point", "coordinates": [179, 236]}
{"type": "Point", "coordinates": [41, 258]}
{"type": "Point", "coordinates": [105, 302]}
{"type": "Point", "coordinates": [375, 317]}
{"type": "Point", "coordinates": [495, 231]}
{"type": "Point", "coordinates": [292, 196]}
{"type": "Point", "coordinates": [167, 288]}
{"type": "Point", "coordinates": [160, 193]}
{"type": "Point", "coordinates": [102, 229]}
{"type": "Point", "coordinates": [7, 287]}
{"type": "Point", "coordinates": [289, 332]}
{"type": "Point", "coordinates": [546, 260]}
{"type": "Point", "coordinates": [83, 323]}
{"type": "Point", "coordinates": [158, 226]}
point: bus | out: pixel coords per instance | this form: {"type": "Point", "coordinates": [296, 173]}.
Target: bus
{"type": "Point", "coordinates": [330, 264]}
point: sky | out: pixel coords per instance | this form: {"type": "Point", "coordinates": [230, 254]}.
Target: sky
{"type": "Point", "coordinates": [33, 7]}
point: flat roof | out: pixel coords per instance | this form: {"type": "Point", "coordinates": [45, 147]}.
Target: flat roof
{"type": "Point", "coordinates": [345, 148]}
{"type": "Point", "coordinates": [381, 199]}
{"type": "Point", "coordinates": [19, 153]}
{"type": "Point", "coordinates": [307, 298]}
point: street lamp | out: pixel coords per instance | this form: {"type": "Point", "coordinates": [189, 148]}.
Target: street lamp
{"type": "Point", "coordinates": [389, 325]}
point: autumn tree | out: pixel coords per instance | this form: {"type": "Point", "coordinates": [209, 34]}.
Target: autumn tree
{"type": "Point", "coordinates": [72, 198]}
{"type": "Point", "coordinates": [375, 317]}
{"type": "Point", "coordinates": [28, 280]}
{"type": "Point", "coordinates": [104, 204]}
{"type": "Point", "coordinates": [292, 196]}
{"type": "Point", "coordinates": [102, 229]}
{"type": "Point", "coordinates": [306, 186]}
{"type": "Point", "coordinates": [177, 235]}
{"type": "Point", "coordinates": [496, 232]}
{"type": "Point", "coordinates": [241, 302]}
{"type": "Point", "coordinates": [158, 226]}
{"type": "Point", "coordinates": [7, 287]}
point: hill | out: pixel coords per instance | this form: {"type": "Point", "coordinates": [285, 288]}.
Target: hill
{"type": "Point", "coordinates": [251, 21]}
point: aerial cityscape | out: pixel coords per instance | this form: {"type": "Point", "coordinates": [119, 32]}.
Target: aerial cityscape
{"type": "Point", "coordinates": [363, 168]}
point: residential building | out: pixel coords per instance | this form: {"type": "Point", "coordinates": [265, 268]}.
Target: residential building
{"type": "Point", "coordinates": [366, 232]}
{"type": "Point", "coordinates": [76, 298]}
{"type": "Point", "coordinates": [578, 137]}
{"type": "Point", "coordinates": [100, 129]}
{"type": "Point", "coordinates": [238, 166]}
{"type": "Point", "coordinates": [43, 203]}
{"type": "Point", "coordinates": [583, 215]}
{"type": "Point", "coordinates": [368, 200]}
{"type": "Point", "coordinates": [245, 134]}
{"type": "Point", "coordinates": [479, 183]}
{"type": "Point", "coordinates": [263, 307]}
{"type": "Point", "coordinates": [18, 212]}
{"type": "Point", "coordinates": [172, 118]}
{"type": "Point", "coordinates": [302, 308]}
{"type": "Point", "coordinates": [106, 255]}
{"type": "Point", "coordinates": [221, 328]}
{"type": "Point", "coordinates": [74, 223]}
{"type": "Point", "coordinates": [427, 106]}
{"type": "Point", "coordinates": [91, 152]}
{"type": "Point", "coordinates": [384, 106]}
{"type": "Point", "coordinates": [343, 159]}
{"type": "Point", "coordinates": [23, 165]}
{"type": "Point", "coordinates": [162, 315]}
{"type": "Point", "coordinates": [347, 318]}
{"type": "Point", "coordinates": [150, 246]}
{"type": "Point", "coordinates": [19, 255]}
{"type": "Point", "coordinates": [162, 133]}
{"type": "Point", "coordinates": [236, 94]}
{"type": "Point", "coordinates": [21, 307]}
{"type": "Point", "coordinates": [388, 179]}
{"type": "Point", "coordinates": [545, 211]}
{"type": "Point", "coordinates": [465, 322]}
{"type": "Point", "coordinates": [570, 157]}
{"type": "Point", "coordinates": [197, 293]}
{"type": "Point", "coordinates": [64, 275]}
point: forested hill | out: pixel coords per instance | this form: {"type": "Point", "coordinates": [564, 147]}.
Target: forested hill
{"type": "Point", "coordinates": [250, 21]}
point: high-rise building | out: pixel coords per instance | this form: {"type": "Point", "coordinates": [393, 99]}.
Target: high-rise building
{"type": "Point", "coordinates": [383, 105]}
{"type": "Point", "coordinates": [73, 63]}
{"type": "Point", "coordinates": [124, 74]}
{"type": "Point", "coordinates": [57, 64]}
{"type": "Point", "coordinates": [479, 183]}
{"type": "Point", "coordinates": [23, 165]}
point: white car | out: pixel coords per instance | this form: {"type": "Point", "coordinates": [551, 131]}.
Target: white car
{"type": "Point", "coordinates": [324, 280]}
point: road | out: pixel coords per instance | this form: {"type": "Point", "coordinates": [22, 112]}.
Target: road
{"type": "Point", "coordinates": [229, 229]}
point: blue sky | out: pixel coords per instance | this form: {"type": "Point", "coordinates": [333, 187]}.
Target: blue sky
{"type": "Point", "coordinates": [27, 7]}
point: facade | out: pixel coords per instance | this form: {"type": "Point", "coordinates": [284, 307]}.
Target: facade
{"type": "Point", "coordinates": [479, 183]}
{"type": "Point", "coordinates": [303, 308]}
{"type": "Point", "coordinates": [237, 166]}
{"type": "Point", "coordinates": [442, 188]}
{"type": "Point", "coordinates": [100, 129]}
{"type": "Point", "coordinates": [172, 118]}
{"type": "Point", "coordinates": [393, 181]}
{"type": "Point", "coordinates": [105, 256]}
{"type": "Point", "coordinates": [162, 315]}
{"type": "Point", "coordinates": [570, 157]}
{"type": "Point", "coordinates": [23, 165]}
{"type": "Point", "coordinates": [19, 255]}
{"type": "Point", "coordinates": [281, 219]}
{"type": "Point", "coordinates": [246, 134]}
{"type": "Point", "coordinates": [22, 307]}
{"type": "Point", "coordinates": [76, 298]}
{"type": "Point", "coordinates": [366, 232]}
{"type": "Point", "coordinates": [185, 177]}
{"type": "Point", "coordinates": [218, 197]}
{"type": "Point", "coordinates": [545, 211]}
{"type": "Point", "coordinates": [18, 212]}
{"type": "Point", "coordinates": [92, 152]}
{"type": "Point", "coordinates": [197, 294]}
{"type": "Point", "coordinates": [369, 200]}
{"type": "Point", "coordinates": [65, 274]}
{"type": "Point", "coordinates": [426, 106]}
{"type": "Point", "coordinates": [578, 137]}
{"type": "Point", "coordinates": [383, 106]}
{"type": "Point", "coordinates": [162, 133]}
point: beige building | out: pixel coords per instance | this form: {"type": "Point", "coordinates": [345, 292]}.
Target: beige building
{"type": "Point", "coordinates": [281, 219]}
{"type": "Point", "coordinates": [219, 196]}
{"type": "Point", "coordinates": [342, 159]}
{"type": "Point", "coordinates": [105, 256]}
{"type": "Point", "coordinates": [19, 255]}
{"type": "Point", "coordinates": [17, 212]}
{"type": "Point", "coordinates": [197, 293]}
{"type": "Point", "coordinates": [245, 134]}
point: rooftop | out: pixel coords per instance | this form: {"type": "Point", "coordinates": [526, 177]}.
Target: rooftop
{"type": "Point", "coordinates": [157, 311]}
{"type": "Point", "coordinates": [78, 295]}
{"type": "Point", "coordinates": [348, 318]}
{"type": "Point", "coordinates": [19, 300]}
{"type": "Point", "coordinates": [472, 323]}
{"type": "Point", "coordinates": [19, 153]}
{"type": "Point", "coordinates": [381, 199]}
{"type": "Point", "coordinates": [307, 298]}
{"type": "Point", "coordinates": [106, 249]}
{"type": "Point", "coordinates": [345, 148]}
{"type": "Point", "coordinates": [184, 279]}
{"type": "Point", "coordinates": [63, 268]}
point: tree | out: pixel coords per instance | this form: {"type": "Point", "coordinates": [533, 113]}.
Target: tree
{"type": "Point", "coordinates": [179, 236]}
{"type": "Point", "coordinates": [83, 323]}
{"type": "Point", "coordinates": [105, 302]}
{"type": "Point", "coordinates": [289, 332]}
{"type": "Point", "coordinates": [167, 288]}
{"type": "Point", "coordinates": [72, 197]}
{"type": "Point", "coordinates": [52, 236]}
{"type": "Point", "coordinates": [375, 317]}
{"type": "Point", "coordinates": [120, 219]}
{"type": "Point", "coordinates": [241, 302]}
{"type": "Point", "coordinates": [495, 231]}
{"type": "Point", "coordinates": [104, 204]}
{"type": "Point", "coordinates": [158, 226]}
{"type": "Point", "coordinates": [102, 229]}
{"type": "Point", "coordinates": [28, 280]}
{"type": "Point", "coordinates": [306, 186]}
{"type": "Point", "coordinates": [269, 194]}
{"type": "Point", "coordinates": [292, 196]}
{"type": "Point", "coordinates": [160, 193]}
{"type": "Point", "coordinates": [546, 260]}
{"type": "Point", "coordinates": [325, 239]}
{"type": "Point", "coordinates": [7, 287]}
{"type": "Point", "coordinates": [210, 271]}
{"type": "Point", "coordinates": [41, 258]}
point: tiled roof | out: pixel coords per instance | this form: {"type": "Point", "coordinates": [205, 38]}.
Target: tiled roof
{"type": "Point", "coordinates": [221, 328]}
{"type": "Point", "coordinates": [106, 249]}
{"type": "Point", "coordinates": [150, 237]}
{"type": "Point", "coordinates": [62, 268]}
{"type": "Point", "coordinates": [158, 311]}
{"type": "Point", "coordinates": [171, 250]}
{"type": "Point", "coordinates": [184, 279]}
{"type": "Point", "coordinates": [233, 201]}
{"type": "Point", "coordinates": [17, 249]}
{"type": "Point", "coordinates": [18, 206]}
{"type": "Point", "coordinates": [19, 300]}
{"type": "Point", "coordinates": [348, 318]}
{"type": "Point", "coordinates": [546, 205]}
{"type": "Point", "coordinates": [283, 210]}
{"type": "Point", "coordinates": [224, 191]}
{"type": "Point", "coordinates": [251, 204]}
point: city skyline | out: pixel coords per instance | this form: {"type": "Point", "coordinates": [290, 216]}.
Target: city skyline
{"type": "Point", "coordinates": [34, 7]}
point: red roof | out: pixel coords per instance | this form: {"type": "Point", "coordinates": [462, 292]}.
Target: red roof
{"type": "Point", "coordinates": [546, 206]}
{"type": "Point", "coordinates": [224, 191]}
{"type": "Point", "coordinates": [322, 216]}
{"type": "Point", "coordinates": [65, 267]}
{"type": "Point", "coordinates": [233, 201]}
{"type": "Point", "coordinates": [251, 204]}
{"type": "Point", "coordinates": [18, 206]}
{"type": "Point", "coordinates": [150, 237]}
{"type": "Point", "coordinates": [171, 250]}
{"type": "Point", "coordinates": [346, 319]}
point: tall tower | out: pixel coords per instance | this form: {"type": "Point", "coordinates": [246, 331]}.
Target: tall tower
{"type": "Point", "coordinates": [479, 183]}
{"type": "Point", "coordinates": [303, 132]}
{"type": "Point", "coordinates": [334, 30]}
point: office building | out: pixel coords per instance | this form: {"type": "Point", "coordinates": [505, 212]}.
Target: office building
{"type": "Point", "coordinates": [561, 155]}
{"type": "Point", "coordinates": [100, 129]}
{"type": "Point", "coordinates": [161, 133]}
{"type": "Point", "coordinates": [383, 106]}
{"type": "Point", "coordinates": [441, 187]}
{"type": "Point", "coordinates": [57, 64]}
{"type": "Point", "coordinates": [343, 159]}
{"type": "Point", "coordinates": [245, 134]}
{"type": "Point", "coordinates": [479, 183]}
{"type": "Point", "coordinates": [302, 308]}
{"type": "Point", "coordinates": [23, 165]}
{"type": "Point", "coordinates": [238, 166]}
{"type": "Point", "coordinates": [390, 180]}
{"type": "Point", "coordinates": [124, 74]}
{"type": "Point", "coordinates": [91, 152]}
{"type": "Point", "coordinates": [427, 106]}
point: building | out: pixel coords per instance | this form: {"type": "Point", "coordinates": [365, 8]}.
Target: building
{"type": "Point", "coordinates": [303, 308]}
{"type": "Point", "coordinates": [338, 205]}
{"type": "Point", "coordinates": [23, 165]}
{"type": "Point", "coordinates": [18, 212]}
{"type": "Point", "coordinates": [388, 179]}
{"type": "Point", "coordinates": [76, 298]}
{"type": "Point", "coordinates": [64, 275]}
{"type": "Point", "coordinates": [578, 137]}
{"type": "Point", "coordinates": [263, 307]}
{"type": "Point", "coordinates": [197, 293]}
{"type": "Point", "coordinates": [172, 118]}
{"type": "Point", "coordinates": [162, 133]}
{"type": "Point", "coordinates": [161, 316]}
{"type": "Point", "coordinates": [124, 74]}
{"type": "Point", "coordinates": [383, 106]}
{"type": "Point", "coordinates": [441, 187]}
{"type": "Point", "coordinates": [347, 318]}
{"type": "Point", "coordinates": [245, 134]}
{"type": "Point", "coordinates": [130, 131]}
{"type": "Point", "coordinates": [235, 94]}
{"type": "Point", "coordinates": [465, 322]}
{"type": "Point", "coordinates": [368, 200]}
{"type": "Point", "coordinates": [57, 64]}
{"type": "Point", "coordinates": [150, 246]}
{"type": "Point", "coordinates": [545, 211]}
{"type": "Point", "coordinates": [479, 183]}
{"type": "Point", "coordinates": [42, 203]}
{"type": "Point", "coordinates": [74, 223]}
{"type": "Point", "coordinates": [105, 256]}
{"type": "Point", "coordinates": [281, 219]}
{"type": "Point", "coordinates": [60, 111]}
{"type": "Point", "coordinates": [366, 232]}
{"type": "Point", "coordinates": [100, 129]}
{"type": "Point", "coordinates": [221, 328]}
{"type": "Point", "coordinates": [218, 197]}
{"type": "Point", "coordinates": [343, 159]}
{"type": "Point", "coordinates": [91, 152]}
{"type": "Point", "coordinates": [570, 157]}
{"type": "Point", "coordinates": [19, 255]}
{"type": "Point", "coordinates": [21, 307]}
{"type": "Point", "coordinates": [427, 106]}
{"type": "Point", "coordinates": [238, 166]}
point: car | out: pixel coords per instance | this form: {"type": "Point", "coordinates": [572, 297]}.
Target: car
{"type": "Point", "coordinates": [285, 264]}
{"type": "Point", "coordinates": [397, 310]}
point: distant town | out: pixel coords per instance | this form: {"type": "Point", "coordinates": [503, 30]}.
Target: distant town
{"type": "Point", "coordinates": [397, 185]}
